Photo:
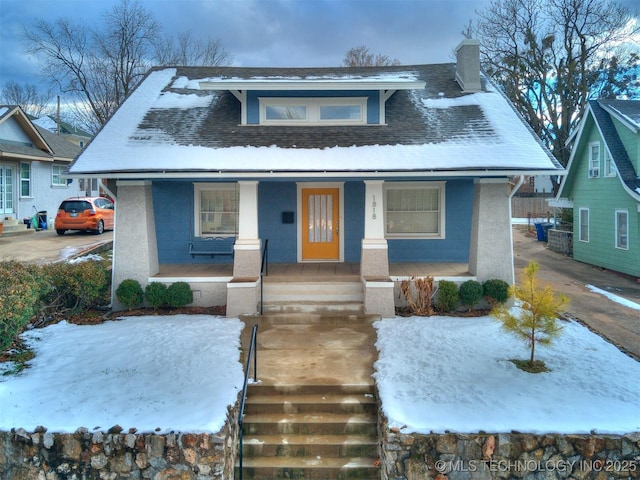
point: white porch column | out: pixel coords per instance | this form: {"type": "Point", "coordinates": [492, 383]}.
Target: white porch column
{"type": "Point", "coordinates": [374, 258]}
{"type": "Point", "coordinates": [491, 249]}
{"type": "Point", "coordinates": [246, 262]}
{"type": "Point", "coordinates": [374, 264]}
{"type": "Point", "coordinates": [135, 250]}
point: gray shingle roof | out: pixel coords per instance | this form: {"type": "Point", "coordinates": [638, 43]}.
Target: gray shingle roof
{"type": "Point", "coordinates": [612, 139]}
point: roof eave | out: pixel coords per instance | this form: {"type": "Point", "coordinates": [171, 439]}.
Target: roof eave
{"type": "Point", "coordinates": [279, 85]}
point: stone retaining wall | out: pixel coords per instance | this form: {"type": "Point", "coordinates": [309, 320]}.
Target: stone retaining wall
{"type": "Point", "coordinates": [115, 455]}
{"type": "Point", "coordinates": [560, 241]}
{"type": "Point", "coordinates": [508, 456]}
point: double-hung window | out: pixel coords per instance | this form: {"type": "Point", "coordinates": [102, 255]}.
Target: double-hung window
{"type": "Point", "coordinates": [622, 229]}
{"type": "Point", "coordinates": [57, 179]}
{"type": "Point", "coordinates": [583, 225]}
{"type": "Point", "coordinates": [314, 111]}
{"type": "Point", "coordinates": [594, 159]}
{"type": "Point", "coordinates": [609, 166]}
{"type": "Point", "coordinates": [25, 179]}
{"type": "Point", "coordinates": [415, 209]}
{"type": "Point", "coordinates": [216, 209]}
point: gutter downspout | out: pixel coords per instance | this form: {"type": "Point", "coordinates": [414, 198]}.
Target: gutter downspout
{"type": "Point", "coordinates": [513, 192]}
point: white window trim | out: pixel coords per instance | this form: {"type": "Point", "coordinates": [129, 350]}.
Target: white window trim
{"type": "Point", "coordinates": [441, 214]}
{"type": "Point", "coordinates": [583, 209]}
{"type": "Point", "coordinates": [199, 187]}
{"type": "Point", "coordinates": [62, 180]}
{"type": "Point", "coordinates": [313, 105]}
{"type": "Point", "coordinates": [594, 172]}
{"type": "Point", "coordinates": [609, 166]}
{"type": "Point", "coordinates": [27, 180]}
{"type": "Point", "coordinates": [617, 244]}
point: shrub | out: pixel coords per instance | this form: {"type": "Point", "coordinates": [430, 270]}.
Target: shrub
{"type": "Point", "coordinates": [179, 294]}
{"type": "Point", "coordinates": [155, 293]}
{"type": "Point", "coordinates": [447, 296]}
{"type": "Point", "coordinates": [536, 320]}
{"type": "Point", "coordinates": [419, 293]}
{"type": "Point", "coordinates": [21, 287]}
{"type": "Point", "coordinates": [470, 293]}
{"type": "Point", "coordinates": [495, 291]}
{"type": "Point", "coordinates": [75, 287]}
{"type": "Point", "coordinates": [129, 293]}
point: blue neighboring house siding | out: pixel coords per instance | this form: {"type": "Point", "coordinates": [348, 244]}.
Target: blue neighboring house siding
{"type": "Point", "coordinates": [173, 210]}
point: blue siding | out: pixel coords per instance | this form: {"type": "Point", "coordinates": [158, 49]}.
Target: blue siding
{"type": "Point", "coordinates": [273, 199]}
{"type": "Point", "coordinates": [455, 247]}
{"type": "Point", "coordinates": [353, 220]}
{"type": "Point", "coordinates": [173, 210]}
{"type": "Point", "coordinates": [373, 101]}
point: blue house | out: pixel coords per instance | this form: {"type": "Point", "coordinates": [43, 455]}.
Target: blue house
{"type": "Point", "coordinates": [361, 176]}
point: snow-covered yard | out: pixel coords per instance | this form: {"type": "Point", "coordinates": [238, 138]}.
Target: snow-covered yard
{"type": "Point", "coordinates": [163, 373]}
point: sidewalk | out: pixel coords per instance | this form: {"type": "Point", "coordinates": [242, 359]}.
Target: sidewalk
{"type": "Point", "coordinates": [612, 320]}
{"type": "Point", "coordinates": [47, 246]}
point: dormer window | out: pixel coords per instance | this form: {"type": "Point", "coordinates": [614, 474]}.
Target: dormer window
{"type": "Point", "coordinates": [313, 111]}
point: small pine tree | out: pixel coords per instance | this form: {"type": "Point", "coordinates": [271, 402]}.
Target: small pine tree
{"type": "Point", "coordinates": [130, 293]}
{"type": "Point", "coordinates": [470, 293]}
{"type": "Point", "coordinates": [536, 321]}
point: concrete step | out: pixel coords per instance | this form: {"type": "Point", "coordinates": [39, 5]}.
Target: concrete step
{"type": "Point", "coordinates": [310, 403]}
{"type": "Point", "coordinates": [310, 423]}
{"type": "Point", "coordinates": [310, 297]}
{"type": "Point", "coordinates": [325, 446]}
{"type": "Point", "coordinates": [310, 468]}
{"type": "Point", "coordinates": [310, 319]}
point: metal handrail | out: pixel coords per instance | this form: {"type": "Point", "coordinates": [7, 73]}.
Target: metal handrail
{"type": "Point", "coordinates": [264, 267]}
{"type": "Point", "coordinates": [252, 353]}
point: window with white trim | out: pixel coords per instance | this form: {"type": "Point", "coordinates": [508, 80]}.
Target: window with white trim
{"type": "Point", "coordinates": [414, 209]}
{"type": "Point", "coordinates": [594, 159]}
{"type": "Point", "coordinates": [25, 179]}
{"type": "Point", "coordinates": [609, 166]}
{"type": "Point", "coordinates": [216, 209]}
{"type": "Point", "coordinates": [622, 229]}
{"type": "Point", "coordinates": [57, 179]}
{"type": "Point", "coordinates": [583, 225]}
{"type": "Point", "coordinates": [315, 111]}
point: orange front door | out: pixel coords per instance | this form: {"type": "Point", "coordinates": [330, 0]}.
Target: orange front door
{"type": "Point", "coordinates": [320, 224]}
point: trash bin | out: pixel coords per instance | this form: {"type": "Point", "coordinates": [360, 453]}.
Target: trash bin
{"type": "Point", "coordinates": [42, 219]}
{"type": "Point", "coordinates": [27, 222]}
{"type": "Point", "coordinates": [542, 230]}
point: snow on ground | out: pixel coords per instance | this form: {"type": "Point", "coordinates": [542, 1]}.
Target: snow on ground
{"type": "Point", "coordinates": [442, 373]}
{"type": "Point", "coordinates": [157, 372]}
{"type": "Point", "coordinates": [163, 373]}
{"type": "Point", "coordinates": [615, 298]}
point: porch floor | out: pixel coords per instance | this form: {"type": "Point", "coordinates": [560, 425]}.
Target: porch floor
{"type": "Point", "coordinates": [316, 271]}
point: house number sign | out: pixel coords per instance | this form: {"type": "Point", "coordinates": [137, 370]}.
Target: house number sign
{"type": "Point", "coordinates": [373, 208]}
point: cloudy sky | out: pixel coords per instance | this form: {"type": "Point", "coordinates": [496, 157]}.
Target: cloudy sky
{"type": "Point", "coordinates": [266, 32]}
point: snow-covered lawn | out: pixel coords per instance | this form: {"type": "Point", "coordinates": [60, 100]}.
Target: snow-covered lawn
{"type": "Point", "coordinates": [155, 373]}
{"type": "Point", "coordinates": [442, 373]}
{"type": "Point", "coordinates": [163, 373]}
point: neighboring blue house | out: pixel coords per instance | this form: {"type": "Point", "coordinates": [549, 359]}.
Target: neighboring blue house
{"type": "Point", "coordinates": [603, 186]}
{"type": "Point", "coordinates": [369, 166]}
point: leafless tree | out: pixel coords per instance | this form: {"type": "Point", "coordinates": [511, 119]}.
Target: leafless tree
{"type": "Point", "coordinates": [189, 51]}
{"type": "Point", "coordinates": [97, 69]}
{"type": "Point", "coordinates": [27, 96]}
{"type": "Point", "coordinates": [361, 57]}
{"type": "Point", "coordinates": [552, 56]}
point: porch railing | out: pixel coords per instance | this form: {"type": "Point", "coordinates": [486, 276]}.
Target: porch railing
{"type": "Point", "coordinates": [252, 353]}
{"type": "Point", "coordinates": [264, 271]}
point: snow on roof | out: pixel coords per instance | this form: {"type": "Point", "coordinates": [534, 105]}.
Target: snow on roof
{"type": "Point", "coordinates": [46, 122]}
{"type": "Point", "coordinates": [128, 144]}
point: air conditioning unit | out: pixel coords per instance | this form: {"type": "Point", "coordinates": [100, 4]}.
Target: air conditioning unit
{"type": "Point", "coordinates": [594, 172]}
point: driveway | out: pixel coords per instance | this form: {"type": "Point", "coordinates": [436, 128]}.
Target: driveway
{"type": "Point", "coordinates": [615, 322]}
{"type": "Point", "coordinates": [47, 246]}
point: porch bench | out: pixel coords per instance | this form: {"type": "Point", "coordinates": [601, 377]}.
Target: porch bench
{"type": "Point", "coordinates": [212, 246]}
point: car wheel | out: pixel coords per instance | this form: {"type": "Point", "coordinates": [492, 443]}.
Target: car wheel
{"type": "Point", "coordinates": [100, 229]}
{"type": "Point", "coordinates": [60, 232]}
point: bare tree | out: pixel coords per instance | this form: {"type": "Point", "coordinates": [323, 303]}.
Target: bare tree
{"type": "Point", "coordinates": [189, 51]}
{"type": "Point", "coordinates": [27, 96]}
{"type": "Point", "coordinates": [361, 57]}
{"type": "Point", "coordinates": [552, 56]}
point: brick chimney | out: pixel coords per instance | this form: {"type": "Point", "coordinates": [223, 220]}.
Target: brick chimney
{"type": "Point", "coordinates": [468, 65]}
